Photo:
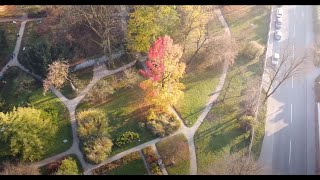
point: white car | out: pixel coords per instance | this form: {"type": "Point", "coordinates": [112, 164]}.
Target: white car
{"type": "Point", "coordinates": [275, 59]}
{"type": "Point", "coordinates": [279, 12]}
{"type": "Point", "coordinates": [279, 23]}
{"type": "Point", "coordinates": [277, 35]}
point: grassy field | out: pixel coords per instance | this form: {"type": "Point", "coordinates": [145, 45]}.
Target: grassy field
{"type": "Point", "coordinates": [220, 133]}
{"type": "Point", "coordinates": [10, 30]}
{"type": "Point", "coordinates": [199, 86]}
{"type": "Point", "coordinates": [124, 113]}
{"type": "Point", "coordinates": [30, 35]}
{"type": "Point", "coordinates": [175, 148]}
{"type": "Point", "coordinates": [15, 92]}
{"type": "Point", "coordinates": [259, 129]}
{"type": "Point", "coordinates": [199, 82]}
{"type": "Point", "coordinates": [248, 23]}
{"type": "Point", "coordinates": [135, 167]}
{"type": "Point", "coordinates": [131, 164]}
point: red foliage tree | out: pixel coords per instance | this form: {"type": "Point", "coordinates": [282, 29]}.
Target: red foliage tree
{"type": "Point", "coordinates": [155, 62]}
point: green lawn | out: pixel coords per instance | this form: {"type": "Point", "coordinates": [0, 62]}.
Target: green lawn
{"type": "Point", "coordinates": [131, 164]}
{"type": "Point", "coordinates": [259, 129]}
{"type": "Point", "coordinates": [123, 112]}
{"type": "Point", "coordinates": [11, 30]}
{"type": "Point", "coordinates": [135, 167]}
{"type": "Point", "coordinates": [177, 148]}
{"type": "Point", "coordinates": [248, 23]}
{"type": "Point", "coordinates": [220, 133]}
{"type": "Point", "coordinates": [200, 82]}
{"type": "Point", "coordinates": [15, 92]}
{"type": "Point", "coordinates": [30, 35]}
{"type": "Point", "coordinates": [199, 86]}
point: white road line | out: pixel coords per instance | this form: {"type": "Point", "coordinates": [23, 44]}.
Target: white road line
{"type": "Point", "coordinates": [294, 24]}
{"type": "Point", "coordinates": [290, 153]}
{"type": "Point", "coordinates": [293, 51]}
{"type": "Point", "coordinates": [292, 81]}
{"type": "Point", "coordinates": [291, 113]}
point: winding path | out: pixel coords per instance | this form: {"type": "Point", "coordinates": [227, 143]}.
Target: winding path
{"type": "Point", "coordinates": [100, 71]}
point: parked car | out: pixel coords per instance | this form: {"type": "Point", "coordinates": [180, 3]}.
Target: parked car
{"type": "Point", "coordinates": [279, 23]}
{"type": "Point", "coordinates": [277, 35]}
{"type": "Point", "coordinates": [275, 59]}
{"type": "Point", "coordinates": [279, 12]}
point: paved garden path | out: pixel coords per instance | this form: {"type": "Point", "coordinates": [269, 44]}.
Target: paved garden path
{"type": "Point", "coordinates": [188, 132]}
{"type": "Point", "coordinates": [100, 72]}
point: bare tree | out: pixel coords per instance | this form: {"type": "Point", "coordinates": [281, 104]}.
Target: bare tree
{"type": "Point", "coordinates": [316, 55]}
{"type": "Point", "coordinates": [194, 20]}
{"type": "Point", "coordinates": [104, 20]}
{"type": "Point", "coordinates": [195, 31]}
{"type": "Point", "coordinates": [58, 73]}
{"type": "Point", "coordinates": [235, 164]}
{"type": "Point", "coordinates": [276, 75]}
{"type": "Point", "coordinates": [19, 169]}
{"type": "Point", "coordinates": [251, 97]}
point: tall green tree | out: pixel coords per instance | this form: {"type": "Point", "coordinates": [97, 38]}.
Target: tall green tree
{"type": "Point", "coordinates": [27, 131]}
{"type": "Point", "coordinates": [147, 23]}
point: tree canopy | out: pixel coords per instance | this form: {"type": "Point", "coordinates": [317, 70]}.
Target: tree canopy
{"type": "Point", "coordinates": [162, 88]}
{"type": "Point", "coordinates": [27, 130]}
{"type": "Point", "coordinates": [147, 23]}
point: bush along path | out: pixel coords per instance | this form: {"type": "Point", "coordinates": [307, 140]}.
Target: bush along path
{"type": "Point", "coordinates": [100, 71]}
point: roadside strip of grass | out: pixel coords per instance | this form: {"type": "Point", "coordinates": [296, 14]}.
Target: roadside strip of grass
{"type": "Point", "coordinates": [220, 133]}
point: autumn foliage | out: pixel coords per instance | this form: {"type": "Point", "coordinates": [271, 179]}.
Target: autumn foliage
{"type": "Point", "coordinates": [162, 88]}
{"type": "Point", "coordinates": [155, 64]}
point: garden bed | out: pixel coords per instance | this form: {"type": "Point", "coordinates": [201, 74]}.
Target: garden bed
{"type": "Point", "coordinates": [174, 152]}
{"type": "Point", "coordinates": [131, 164]}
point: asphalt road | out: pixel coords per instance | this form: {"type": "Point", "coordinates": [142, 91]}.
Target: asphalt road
{"type": "Point", "coordinates": [289, 142]}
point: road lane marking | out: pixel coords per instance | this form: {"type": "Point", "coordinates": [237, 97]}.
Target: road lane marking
{"type": "Point", "coordinates": [290, 153]}
{"type": "Point", "coordinates": [293, 52]}
{"type": "Point", "coordinates": [294, 24]}
{"type": "Point", "coordinates": [292, 81]}
{"type": "Point", "coordinates": [291, 114]}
